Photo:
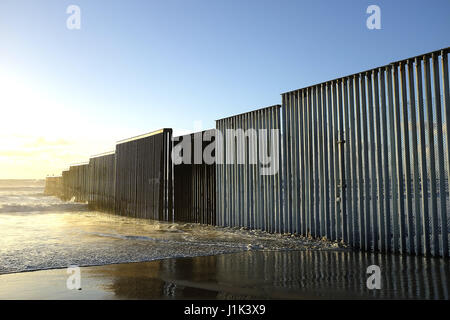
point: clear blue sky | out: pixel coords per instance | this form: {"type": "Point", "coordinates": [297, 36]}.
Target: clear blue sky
{"type": "Point", "coordinates": [136, 66]}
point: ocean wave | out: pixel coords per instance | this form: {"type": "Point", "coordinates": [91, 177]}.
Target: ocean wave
{"type": "Point", "coordinates": [17, 194]}
{"type": "Point", "coordinates": [184, 240]}
{"type": "Point", "coordinates": [44, 232]}
{"type": "Point", "coordinates": [22, 182]}
{"type": "Point", "coordinates": [21, 188]}
{"type": "Point", "coordinates": [56, 207]}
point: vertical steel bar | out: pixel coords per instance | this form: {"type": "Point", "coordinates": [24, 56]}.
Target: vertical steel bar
{"type": "Point", "coordinates": [440, 154]}
{"type": "Point", "coordinates": [407, 165]}
{"type": "Point", "coordinates": [302, 124]}
{"type": "Point", "coordinates": [398, 158]}
{"type": "Point", "coordinates": [294, 173]}
{"type": "Point", "coordinates": [224, 184]}
{"type": "Point", "coordinates": [260, 177]}
{"type": "Point", "coordinates": [255, 191]}
{"type": "Point", "coordinates": [425, 235]}
{"type": "Point", "coordinates": [379, 163]}
{"type": "Point", "coordinates": [309, 162]}
{"type": "Point", "coordinates": [279, 176]}
{"type": "Point", "coordinates": [365, 150]}
{"type": "Point", "coordinates": [312, 160]}
{"type": "Point", "coordinates": [341, 230]}
{"type": "Point", "coordinates": [446, 98]}
{"type": "Point", "coordinates": [415, 159]}
{"type": "Point", "coordinates": [254, 195]}
{"type": "Point", "coordinates": [288, 156]}
{"type": "Point", "coordinates": [361, 220]}
{"type": "Point", "coordinates": [371, 147]}
{"type": "Point", "coordinates": [218, 169]}
{"type": "Point", "coordinates": [285, 190]}
{"type": "Point", "coordinates": [269, 177]}
{"type": "Point", "coordinates": [334, 136]}
{"type": "Point", "coordinates": [330, 145]}
{"type": "Point", "coordinates": [265, 144]}
{"type": "Point", "coordinates": [353, 149]}
{"type": "Point", "coordinates": [430, 125]}
{"type": "Point", "coordinates": [275, 178]}
{"type": "Point", "coordinates": [347, 161]}
{"type": "Point", "coordinates": [392, 135]}
{"type": "Point", "coordinates": [236, 171]}
{"type": "Point", "coordinates": [296, 227]}
{"type": "Point", "coordinates": [316, 149]}
{"type": "Point", "coordinates": [320, 154]}
{"type": "Point", "coordinates": [326, 188]}
{"type": "Point", "coordinates": [229, 168]}
{"type": "Point", "coordinates": [223, 180]}
{"type": "Point", "coordinates": [272, 208]}
{"type": "Point", "coordinates": [246, 169]}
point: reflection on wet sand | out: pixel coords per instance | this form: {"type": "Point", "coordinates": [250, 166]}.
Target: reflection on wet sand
{"type": "Point", "coordinates": [277, 275]}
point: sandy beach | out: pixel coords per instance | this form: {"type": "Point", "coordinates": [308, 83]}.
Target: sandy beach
{"type": "Point", "coordinates": [244, 275]}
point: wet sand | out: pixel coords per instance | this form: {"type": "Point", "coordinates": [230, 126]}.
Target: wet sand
{"type": "Point", "coordinates": [307, 274]}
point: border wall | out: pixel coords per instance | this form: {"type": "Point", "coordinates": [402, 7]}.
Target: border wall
{"type": "Point", "coordinates": [144, 176]}
{"type": "Point", "coordinates": [367, 158]}
{"type": "Point", "coordinates": [102, 175]}
{"type": "Point", "coordinates": [195, 181]}
{"type": "Point", "coordinates": [75, 183]}
{"type": "Point", "coordinates": [246, 197]}
{"type": "Point", "coordinates": [53, 186]}
{"type": "Point", "coordinates": [363, 159]}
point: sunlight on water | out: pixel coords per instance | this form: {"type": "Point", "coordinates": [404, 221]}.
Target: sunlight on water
{"type": "Point", "coordinates": [40, 232]}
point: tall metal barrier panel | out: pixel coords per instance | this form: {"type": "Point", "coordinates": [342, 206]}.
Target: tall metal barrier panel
{"type": "Point", "coordinates": [144, 176]}
{"type": "Point", "coordinates": [53, 186]}
{"type": "Point", "coordinates": [102, 174]}
{"type": "Point", "coordinates": [81, 181]}
{"type": "Point", "coordinates": [76, 182]}
{"type": "Point", "coordinates": [195, 179]}
{"type": "Point", "coordinates": [246, 196]}
{"type": "Point", "coordinates": [66, 191]}
{"type": "Point", "coordinates": [366, 157]}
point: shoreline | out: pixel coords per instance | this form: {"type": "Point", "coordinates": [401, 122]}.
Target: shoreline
{"type": "Point", "coordinates": [180, 257]}
{"type": "Point", "coordinates": [306, 274]}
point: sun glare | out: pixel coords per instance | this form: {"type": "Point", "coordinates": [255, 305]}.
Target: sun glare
{"type": "Point", "coordinates": [39, 135]}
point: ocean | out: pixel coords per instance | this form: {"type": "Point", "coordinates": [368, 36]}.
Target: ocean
{"type": "Point", "coordinates": [41, 232]}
